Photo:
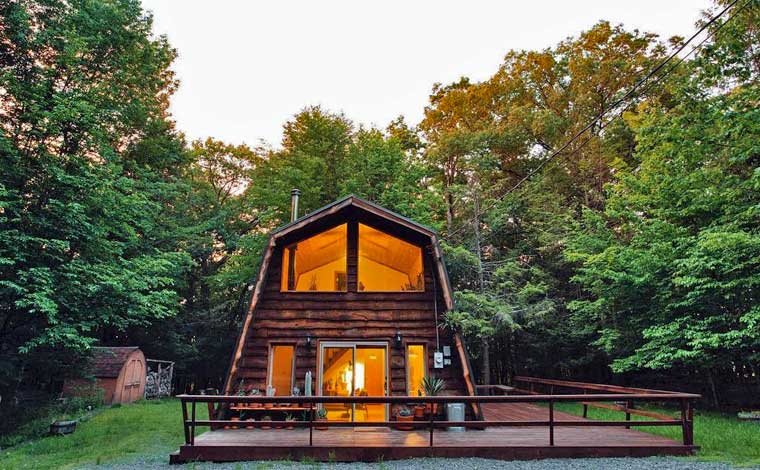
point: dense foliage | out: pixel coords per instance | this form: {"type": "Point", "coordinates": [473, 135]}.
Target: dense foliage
{"type": "Point", "coordinates": [637, 249]}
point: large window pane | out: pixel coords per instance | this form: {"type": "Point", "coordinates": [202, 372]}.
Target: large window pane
{"type": "Point", "coordinates": [416, 368]}
{"type": "Point", "coordinates": [281, 369]}
{"type": "Point", "coordinates": [387, 263]}
{"type": "Point", "coordinates": [317, 263]}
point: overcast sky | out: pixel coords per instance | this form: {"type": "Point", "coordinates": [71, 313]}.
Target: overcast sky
{"type": "Point", "coordinates": [248, 66]}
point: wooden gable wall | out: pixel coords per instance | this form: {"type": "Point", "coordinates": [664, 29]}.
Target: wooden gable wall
{"type": "Point", "coordinates": [287, 318]}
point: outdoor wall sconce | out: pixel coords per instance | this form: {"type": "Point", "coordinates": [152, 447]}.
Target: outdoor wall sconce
{"type": "Point", "coordinates": [308, 341]}
{"type": "Point", "coordinates": [397, 339]}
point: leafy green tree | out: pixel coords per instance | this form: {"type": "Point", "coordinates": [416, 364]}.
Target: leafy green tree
{"type": "Point", "coordinates": [672, 264]}
{"type": "Point", "coordinates": [90, 170]}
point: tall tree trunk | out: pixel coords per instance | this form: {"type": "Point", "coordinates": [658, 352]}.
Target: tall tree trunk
{"type": "Point", "coordinates": [486, 361]}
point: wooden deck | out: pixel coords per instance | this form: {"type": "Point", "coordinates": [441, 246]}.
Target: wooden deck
{"type": "Point", "coordinates": [371, 444]}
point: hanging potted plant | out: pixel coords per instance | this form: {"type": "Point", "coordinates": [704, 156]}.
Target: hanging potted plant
{"type": "Point", "coordinates": [432, 386]}
{"type": "Point", "coordinates": [404, 415]}
{"type": "Point", "coordinates": [321, 418]}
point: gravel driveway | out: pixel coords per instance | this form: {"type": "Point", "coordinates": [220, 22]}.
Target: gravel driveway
{"type": "Point", "coordinates": [659, 463]}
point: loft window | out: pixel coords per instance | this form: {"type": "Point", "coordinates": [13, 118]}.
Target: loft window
{"type": "Point", "coordinates": [416, 369]}
{"type": "Point", "coordinates": [317, 263]}
{"type": "Point", "coordinates": [387, 263]}
{"type": "Point", "coordinates": [281, 359]}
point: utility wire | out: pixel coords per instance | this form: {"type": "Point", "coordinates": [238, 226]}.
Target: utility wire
{"type": "Point", "coordinates": [620, 101]}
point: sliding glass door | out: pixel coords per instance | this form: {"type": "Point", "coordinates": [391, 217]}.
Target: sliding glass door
{"type": "Point", "coordinates": [354, 369]}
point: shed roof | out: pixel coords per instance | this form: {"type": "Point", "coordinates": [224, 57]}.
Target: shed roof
{"type": "Point", "coordinates": [108, 361]}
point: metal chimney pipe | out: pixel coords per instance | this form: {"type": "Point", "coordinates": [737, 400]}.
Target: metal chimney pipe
{"type": "Point", "coordinates": [294, 193]}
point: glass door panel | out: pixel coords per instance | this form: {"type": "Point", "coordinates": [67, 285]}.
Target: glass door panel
{"type": "Point", "coordinates": [370, 380]}
{"type": "Point", "coordinates": [338, 380]}
{"type": "Point", "coordinates": [354, 369]}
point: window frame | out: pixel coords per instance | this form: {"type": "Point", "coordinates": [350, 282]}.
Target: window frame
{"type": "Point", "coordinates": [425, 370]}
{"type": "Point", "coordinates": [270, 357]}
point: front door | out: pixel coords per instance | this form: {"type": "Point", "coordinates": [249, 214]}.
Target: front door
{"type": "Point", "coordinates": [354, 369]}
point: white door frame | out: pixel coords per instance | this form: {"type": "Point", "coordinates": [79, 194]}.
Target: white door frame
{"type": "Point", "coordinates": [353, 345]}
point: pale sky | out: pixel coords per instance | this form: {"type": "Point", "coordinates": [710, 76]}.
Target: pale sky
{"type": "Point", "coordinates": [246, 67]}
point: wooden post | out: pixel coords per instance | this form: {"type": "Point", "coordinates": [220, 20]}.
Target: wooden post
{"type": "Point", "coordinates": [311, 424]}
{"type": "Point", "coordinates": [184, 422]}
{"type": "Point", "coordinates": [192, 428]}
{"type": "Point", "coordinates": [684, 425]}
{"type": "Point", "coordinates": [430, 423]}
{"type": "Point", "coordinates": [551, 422]}
{"type": "Point", "coordinates": [687, 420]}
{"type": "Point", "coordinates": [628, 407]}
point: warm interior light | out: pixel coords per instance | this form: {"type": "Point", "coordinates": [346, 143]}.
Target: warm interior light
{"type": "Point", "coordinates": [281, 369]}
{"type": "Point", "coordinates": [416, 368]}
{"type": "Point", "coordinates": [317, 263]}
{"type": "Point", "coordinates": [387, 263]}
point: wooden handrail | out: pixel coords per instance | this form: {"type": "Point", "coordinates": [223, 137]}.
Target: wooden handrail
{"type": "Point", "coordinates": [590, 386]}
{"type": "Point", "coordinates": [686, 420]}
{"type": "Point", "coordinates": [440, 398]}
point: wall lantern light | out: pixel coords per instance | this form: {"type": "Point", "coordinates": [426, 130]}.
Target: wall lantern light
{"type": "Point", "coordinates": [397, 339]}
{"type": "Point", "coordinates": [308, 341]}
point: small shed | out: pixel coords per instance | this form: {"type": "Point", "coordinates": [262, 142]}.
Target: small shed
{"type": "Point", "coordinates": [119, 371]}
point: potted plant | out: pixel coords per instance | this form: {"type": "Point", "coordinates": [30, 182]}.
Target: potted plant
{"type": "Point", "coordinates": [234, 418]}
{"type": "Point", "coordinates": [251, 421]}
{"type": "Point", "coordinates": [432, 386]}
{"type": "Point", "coordinates": [289, 418]}
{"type": "Point", "coordinates": [404, 415]}
{"type": "Point", "coordinates": [419, 409]}
{"type": "Point", "coordinates": [296, 393]}
{"type": "Point", "coordinates": [321, 417]}
{"type": "Point", "coordinates": [254, 393]}
{"type": "Point", "coordinates": [270, 393]}
{"type": "Point", "coordinates": [268, 420]}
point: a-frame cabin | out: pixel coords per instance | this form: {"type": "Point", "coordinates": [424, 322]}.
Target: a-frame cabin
{"type": "Point", "coordinates": [355, 294]}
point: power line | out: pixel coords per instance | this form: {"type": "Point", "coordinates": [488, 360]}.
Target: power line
{"type": "Point", "coordinates": [617, 103]}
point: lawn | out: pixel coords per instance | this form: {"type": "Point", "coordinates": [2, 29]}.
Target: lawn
{"type": "Point", "coordinates": [115, 433]}
{"type": "Point", "coordinates": [720, 436]}
{"type": "Point", "coordinates": [151, 427]}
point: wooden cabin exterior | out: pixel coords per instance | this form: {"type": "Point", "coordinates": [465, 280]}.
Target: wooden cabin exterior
{"type": "Point", "coordinates": [354, 294]}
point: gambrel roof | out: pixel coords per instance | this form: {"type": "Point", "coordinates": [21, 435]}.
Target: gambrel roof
{"type": "Point", "coordinates": [348, 208]}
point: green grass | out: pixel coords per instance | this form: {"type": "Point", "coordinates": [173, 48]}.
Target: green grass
{"type": "Point", "coordinates": [113, 434]}
{"type": "Point", "coordinates": [148, 427]}
{"type": "Point", "coordinates": [721, 437]}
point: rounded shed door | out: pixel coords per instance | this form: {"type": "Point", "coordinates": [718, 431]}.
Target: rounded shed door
{"type": "Point", "coordinates": [133, 376]}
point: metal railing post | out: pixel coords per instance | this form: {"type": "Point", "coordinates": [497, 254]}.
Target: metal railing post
{"type": "Point", "coordinates": [551, 422]}
{"type": "Point", "coordinates": [628, 407]}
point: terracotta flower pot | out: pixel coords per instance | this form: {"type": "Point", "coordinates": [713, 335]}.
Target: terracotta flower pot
{"type": "Point", "coordinates": [234, 418]}
{"type": "Point", "coordinates": [290, 426]}
{"type": "Point", "coordinates": [404, 419]}
{"type": "Point", "coordinates": [321, 427]}
{"type": "Point", "coordinates": [419, 411]}
{"type": "Point", "coordinates": [250, 426]}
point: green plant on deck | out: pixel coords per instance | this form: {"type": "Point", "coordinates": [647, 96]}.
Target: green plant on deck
{"type": "Point", "coordinates": [322, 413]}
{"type": "Point", "coordinates": [404, 411]}
{"type": "Point", "coordinates": [432, 385]}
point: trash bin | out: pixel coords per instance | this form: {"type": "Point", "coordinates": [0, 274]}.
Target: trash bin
{"type": "Point", "coordinates": [455, 412]}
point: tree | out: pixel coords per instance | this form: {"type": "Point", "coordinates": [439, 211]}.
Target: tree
{"type": "Point", "coordinates": [90, 172]}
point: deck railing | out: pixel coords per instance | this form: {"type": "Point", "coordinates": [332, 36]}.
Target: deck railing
{"type": "Point", "coordinates": [311, 404]}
